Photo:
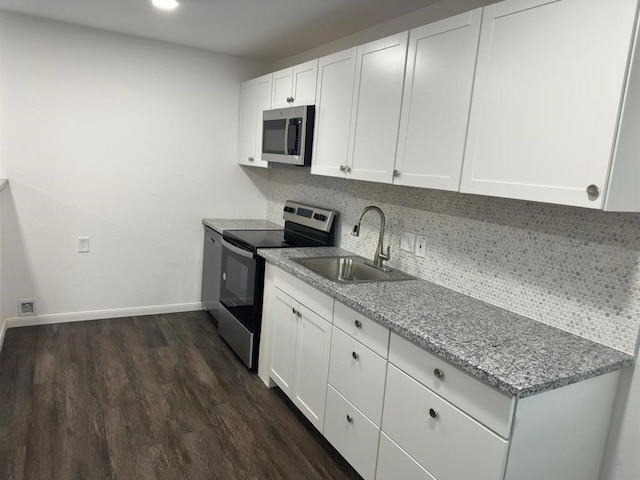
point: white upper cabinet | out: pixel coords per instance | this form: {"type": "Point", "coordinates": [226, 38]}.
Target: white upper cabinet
{"type": "Point", "coordinates": [435, 106]}
{"type": "Point", "coordinates": [334, 98]}
{"type": "Point", "coordinates": [549, 87]}
{"type": "Point", "coordinates": [375, 115]}
{"type": "Point", "coordinates": [255, 96]}
{"type": "Point", "coordinates": [295, 86]}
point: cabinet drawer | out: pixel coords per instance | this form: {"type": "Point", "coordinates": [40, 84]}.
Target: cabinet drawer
{"type": "Point", "coordinates": [481, 401]}
{"type": "Point", "coordinates": [444, 440]}
{"type": "Point", "coordinates": [304, 293]}
{"type": "Point", "coordinates": [351, 433]}
{"type": "Point", "coordinates": [392, 460]}
{"type": "Point", "coordinates": [363, 329]}
{"type": "Point", "coordinates": [358, 374]}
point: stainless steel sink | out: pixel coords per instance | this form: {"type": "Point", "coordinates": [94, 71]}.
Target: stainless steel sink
{"type": "Point", "coordinates": [349, 269]}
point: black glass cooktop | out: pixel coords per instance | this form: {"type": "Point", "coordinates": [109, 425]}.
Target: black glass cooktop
{"type": "Point", "coordinates": [258, 238]}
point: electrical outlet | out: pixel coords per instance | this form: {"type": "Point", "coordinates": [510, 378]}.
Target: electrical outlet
{"type": "Point", "coordinates": [407, 241]}
{"type": "Point", "coordinates": [421, 247]}
{"type": "Point", "coordinates": [26, 308]}
{"type": "Point", "coordinates": [83, 244]}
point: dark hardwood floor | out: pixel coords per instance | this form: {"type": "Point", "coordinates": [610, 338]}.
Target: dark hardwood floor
{"type": "Point", "coordinates": [156, 397]}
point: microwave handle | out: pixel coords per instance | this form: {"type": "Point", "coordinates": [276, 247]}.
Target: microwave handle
{"type": "Point", "coordinates": [292, 134]}
{"type": "Point", "coordinates": [286, 137]}
{"type": "Point", "coordinates": [238, 250]}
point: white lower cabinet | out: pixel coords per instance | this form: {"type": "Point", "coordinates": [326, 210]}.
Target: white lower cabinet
{"type": "Point", "coordinates": [358, 373]}
{"type": "Point", "coordinates": [351, 433]}
{"type": "Point", "coordinates": [301, 341]}
{"type": "Point", "coordinates": [393, 462]}
{"type": "Point", "coordinates": [415, 416]}
{"type": "Point", "coordinates": [443, 439]}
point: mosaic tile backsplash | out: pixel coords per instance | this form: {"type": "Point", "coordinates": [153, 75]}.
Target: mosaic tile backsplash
{"type": "Point", "coordinates": [573, 268]}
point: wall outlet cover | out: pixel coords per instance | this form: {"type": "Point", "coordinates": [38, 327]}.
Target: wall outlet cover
{"type": "Point", "coordinates": [83, 244]}
{"type": "Point", "coordinates": [421, 247]}
{"type": "Point", "coordinates": [407, 241]}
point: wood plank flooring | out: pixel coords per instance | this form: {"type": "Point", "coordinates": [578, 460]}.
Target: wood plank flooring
{"type": "Point", "coordinates": [155, 397]}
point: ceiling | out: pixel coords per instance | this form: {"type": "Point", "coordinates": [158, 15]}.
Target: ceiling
{"type": "Point", "coordinates": [261, 29]}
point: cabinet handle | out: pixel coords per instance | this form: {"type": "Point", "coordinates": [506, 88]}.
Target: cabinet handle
{"type": "Point", "coordinates": [299, 314]}
{"type": "Point", "coordinates": [433, 414]}
{"type": "Point", "coordinates": [593, 192]}
{"type": "Point", "coordinates": [342, 168]}
{"type": "Point", "coordinates": [293, 99]}
{"type": "Point", "coordinates": [349, 418]}
{"type": "Point", "coordinates": [293, 310]}
{"type": "Point", "coordinates": [347, 169]}
{"type": "Point", "coordinates": [355, 355]}
{"type": "Point", "coordinates": [396, 173]}
{"type": "Point", "coordinates": [251, 159]}
{"type": "Point", "coordinates": [358, 324]}
{"type": "Point", "coordinates": [439, 374]}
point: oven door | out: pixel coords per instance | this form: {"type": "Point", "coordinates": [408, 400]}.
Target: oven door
{"type": "Point", "coordinates": [238, 283]}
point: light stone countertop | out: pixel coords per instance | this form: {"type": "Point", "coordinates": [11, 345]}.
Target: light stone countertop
{"type": "Point", "coordinates": [516, 354]}
{"type": "Point", "coordinates": [222, 224]}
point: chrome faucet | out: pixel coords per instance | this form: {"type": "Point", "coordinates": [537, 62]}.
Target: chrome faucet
{"type": "Point", "coordinates": [379, 256]}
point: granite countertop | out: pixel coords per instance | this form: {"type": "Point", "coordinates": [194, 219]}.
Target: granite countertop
{"type": "Point", "coordinates": [515, 354]}
{"type": "Point", "coordinates": [221, 224]}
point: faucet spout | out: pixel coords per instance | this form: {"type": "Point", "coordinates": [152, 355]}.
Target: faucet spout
{"type": "Point", "coordinates": [380, 255]}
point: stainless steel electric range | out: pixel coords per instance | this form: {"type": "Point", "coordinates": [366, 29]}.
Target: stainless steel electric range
{"type": "Point", "coordinates": [242, 273]}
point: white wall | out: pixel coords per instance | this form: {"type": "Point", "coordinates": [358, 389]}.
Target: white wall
{"type": "Point", "coordinates": [130, 142]}
{"type": "Point", "coordinates": [432, 13]}
{"type": "Point", "coordinates": [2, 322]}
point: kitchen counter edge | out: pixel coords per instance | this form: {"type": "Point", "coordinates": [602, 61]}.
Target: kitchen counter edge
{"type": "Point", "coordinates": [222, 224]}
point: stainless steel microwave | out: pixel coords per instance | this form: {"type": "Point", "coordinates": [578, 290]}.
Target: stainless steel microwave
{"type": "Point", "coordinates": [287, 134]}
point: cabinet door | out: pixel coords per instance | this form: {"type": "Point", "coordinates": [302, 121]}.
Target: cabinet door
{"type": "Point", "coordinates": [312, 366]}
{"type": "Point", "coordinates": [247, 127]}
{"type": "Point", "coordinates": [546, 99]}
{"type": "Point", "coordinates": [284, 333]}
{"type": "Point", "coordinates": [435, 107]}
{"type": "Point", "coordinates": [334, 98]}
{"type": "Point", "coordinates": [392, 459]}
{"type": "Point", "coordinates": [263, 102]}
{"type": "Point", "coordinates": [358, 373]}
{"type": "Point", "coordinates": [305, 76]}
{"type": "Point", "coordinates": [352, 434]}
{"type": "Point", "coordinates": [445, 441]}
{"type": "Point", "coordinates": [281, 88]}
{"type": "Point", "coordinates": [376, 108]}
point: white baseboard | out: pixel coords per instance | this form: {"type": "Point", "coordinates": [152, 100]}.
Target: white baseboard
{"type": "Point", "coordinates": [98, 315]}
{"type": "Point", "coordinates": [3, 330]}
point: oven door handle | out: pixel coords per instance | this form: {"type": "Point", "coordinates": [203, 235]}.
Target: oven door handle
{"type": "Point", "coordinates": [238, 250]}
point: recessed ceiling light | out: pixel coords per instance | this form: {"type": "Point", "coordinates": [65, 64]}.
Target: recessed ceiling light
{"type": "Point", "coordinates": [165, 4]}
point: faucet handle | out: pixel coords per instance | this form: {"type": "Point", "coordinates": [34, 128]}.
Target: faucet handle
{"type": "Point", "coordinates": [386, 256]}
